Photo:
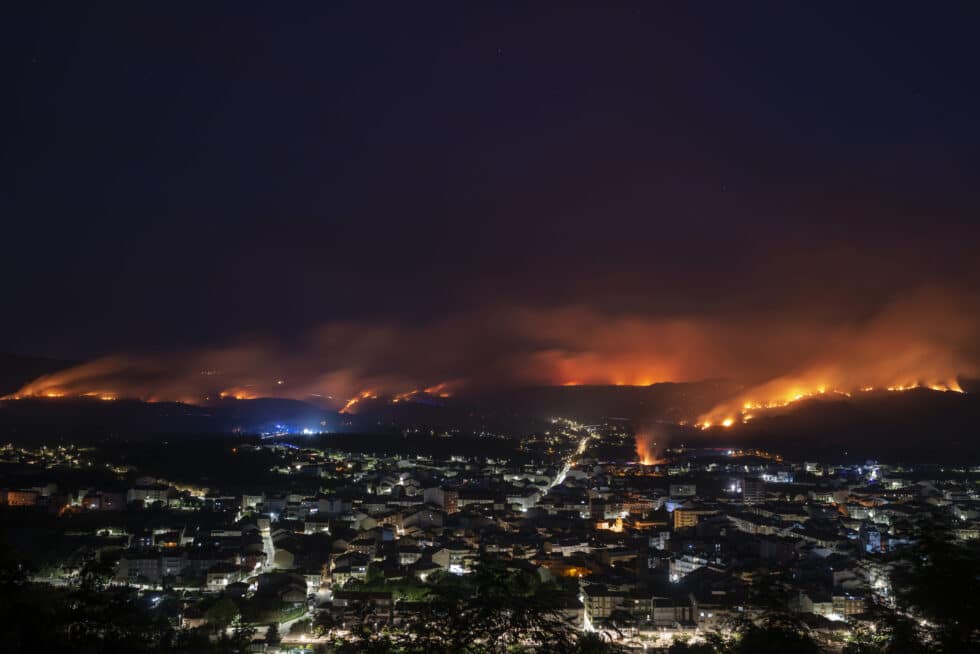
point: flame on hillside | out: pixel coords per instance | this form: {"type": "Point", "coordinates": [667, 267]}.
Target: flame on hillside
{"type": "Point", "coordinates": [926, 338]}
{"type": "Point", "coordinates": [783, 393]}
{"type": "Point", "coordinates": [352, 402]}
{"type": "Point", "coordinates": [238, 393]}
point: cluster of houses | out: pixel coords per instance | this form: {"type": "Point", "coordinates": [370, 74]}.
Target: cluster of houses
{"type": "Point", "coordinates": [639, 552]}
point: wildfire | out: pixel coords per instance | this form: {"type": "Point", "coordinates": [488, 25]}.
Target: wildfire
{"type": "Point", "coordinates": [238, 393]}
{"type": "Point", "coordinates": [106, 396]}
{"type": "Point", "coordinates": [404, 397]}
{"type": "Point", "coordinates": [352, 402]}
{"type": "Point", "coordinates": [439, 390]}
{"type": "Point", "coordinates": [42, 389]}
{"type": "Point", "coordinates": [922, 337]}
{"type": "Point", "coordinates": [646, 450]}
{"type": "Point", "coordinates": [743, 410]}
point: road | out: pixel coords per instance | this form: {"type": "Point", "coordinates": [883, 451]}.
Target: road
{"type": "Point", "coordinates": [572, 459]}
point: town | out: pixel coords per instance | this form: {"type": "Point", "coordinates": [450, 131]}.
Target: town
{"type": "Point", "coordinates": [325, 544]}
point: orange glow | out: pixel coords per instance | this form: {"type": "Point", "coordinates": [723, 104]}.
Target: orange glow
{"type": "Point", "coordinates": [238, 393]}
{"type": "Point", "coordinates": [785, 394]}
{"type": "Point", "coordinates": [575, 572]}
{"type": "Point", "coordinates": [924, 337]}
{"type": "Point", "coordinates": [441, 390]}
{"type": "Point", "coordinates": [352, 402]}
{"type": "Point", "coordinates": [102, 395]}
{"type": "Point", "coordinates": [403, 397]}
{"type": "Point", "coordinates": [646, 450]}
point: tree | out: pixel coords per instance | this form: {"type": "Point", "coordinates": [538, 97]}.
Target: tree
{"type": "Point", "coordinates": [304, 626]}
{"type": "Point", "coordinates": [272, 634]}
{"type": "Point", "coordinates": [594, 643]}
{"type": "Point", "coordinates": [222, 613]}
{"type": "Point", "coordinates": [943, 586]}
{"type": "Point", "coordinates": [886, 631]}
{"type": "Point", "coordinates": [493, 609]}
{"type": "Point", "coordinates": [96, 575]}
{"type": "Point", "coordinates": [323, 624]}
{"type": "Point", "coordinates": [774, 634]}
{"type": "Point", "coordinates": [368, 633]}
{"type": "Point", "coordinates": [684, 647]}
{"type": "Point", "coordinates": [242, 634]}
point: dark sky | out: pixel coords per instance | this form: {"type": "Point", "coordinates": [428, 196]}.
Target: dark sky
{"type": "Point", "coordinates": [175, 176]}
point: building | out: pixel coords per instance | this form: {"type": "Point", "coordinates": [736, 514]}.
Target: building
{"type": "Point", "coordinates": [567, 545]}
{"type": "Point", "coordinates": [525, 499]}
{"type": "Point", "coordinates": [444, 498]}
{"type": "Point", "coordinates": [871, 539]}
{"type": "Point", "coordinates": [684, 565]}
{"type": "Point", "coordinates": [21, 497]}
{"type": "Point", "coordinates": [683, 490]}
{"type": "Point", "coordinates": [846, 605]}
{"type": "Point", "coordinates": [642, 607]}
{"type": "Point", "coordinates": [753, 491]}
{"type": "Point", "coordinates": [455, 557]}
{"type": "Point", "coordinates": [249, 502]}
{"type": "Point", "coordinates": [140, 568]}
{"type": "Point", "coordinates": [688, 516]}
{"type": "Point", "coordinates": [149, 494]}
{"type": "Point", "coordinates": [221, 575]}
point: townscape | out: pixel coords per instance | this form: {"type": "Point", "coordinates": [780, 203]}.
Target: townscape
{"type": "Point", "coordinates": [327, 544]}
{"type": "Point", "coordinates": [490, 328]}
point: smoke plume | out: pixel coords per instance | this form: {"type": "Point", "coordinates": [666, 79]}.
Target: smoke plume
{"type": "Point", "coordinates": [923, 338]}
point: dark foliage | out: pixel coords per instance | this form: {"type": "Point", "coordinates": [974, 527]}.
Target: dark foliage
{"type": "Point", "coordinates": [92, 619]}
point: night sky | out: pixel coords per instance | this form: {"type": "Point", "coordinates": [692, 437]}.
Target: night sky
{"type": "Point", "coordinates": [186, 176]}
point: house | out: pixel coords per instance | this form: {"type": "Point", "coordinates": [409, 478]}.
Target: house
{"type": "Point", "coordinates": [455, 556]}
{"type": "Point", "coordinates": [139, 567]}
{"type": "Point", "coordinates": [407, 555]}
{"type": "Point", "coordinates": [351, 565]}
{"type": "Point", "coordinates": [221, 575]}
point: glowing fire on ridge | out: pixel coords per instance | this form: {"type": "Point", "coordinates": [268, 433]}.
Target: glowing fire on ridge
{"type": "Point", "coordinates": [743, 409]}
{"type": "Point", "coordinates": [352, 402]}
{"type": "Point", "coordinates": [439, 390]}
{"type": "Point", "coordinates": [238, 393]}
{"type": "Point", "coordinates": [102, 395]}
{"type": "Point", "coordinates": [56, 394]}
{"type": "Point", "coordinates": [247, 392]}
{"type": "Point", "coordinates": [921, 335]}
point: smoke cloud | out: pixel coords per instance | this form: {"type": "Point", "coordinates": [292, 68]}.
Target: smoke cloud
{"type": "Point", "coordinates": [925, 337]}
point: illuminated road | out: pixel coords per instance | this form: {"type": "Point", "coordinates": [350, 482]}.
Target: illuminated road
{"type": "Point", "coordinates": [572, 459]}
{"type": "Point", "coordinates": [270, 550]}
